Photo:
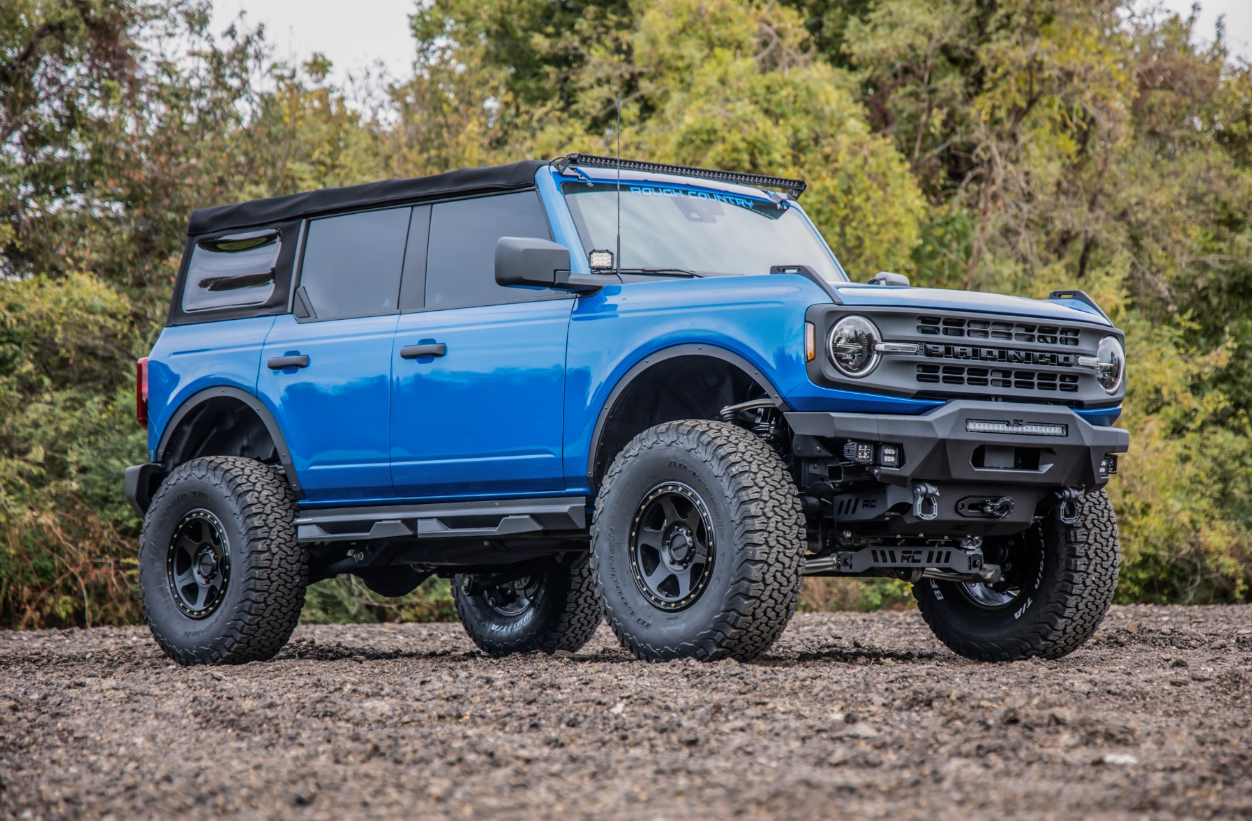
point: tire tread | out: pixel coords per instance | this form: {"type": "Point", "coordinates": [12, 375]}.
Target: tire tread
{"type": "Point", "coordinates": [571, 623]}
{"type": "Point", "coordinates": [273, 571]}
{"type": "Point", "coordinates": [769, 537]}
{"type": "Point", "coordinates": [1074, 607]}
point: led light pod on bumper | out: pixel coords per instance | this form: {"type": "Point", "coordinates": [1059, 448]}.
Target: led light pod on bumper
{"type": "Point", "coordinates": [853, 344]}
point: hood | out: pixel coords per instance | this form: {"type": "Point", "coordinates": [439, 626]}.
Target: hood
{"type": "Point", "coordinates": [869, 296]}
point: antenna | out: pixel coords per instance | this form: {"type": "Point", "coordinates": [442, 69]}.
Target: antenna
{"type": "Point", "coordinates": [617, 255]}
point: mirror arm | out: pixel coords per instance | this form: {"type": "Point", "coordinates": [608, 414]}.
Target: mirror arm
{"type": "Point", "coordinates": [579, 283]}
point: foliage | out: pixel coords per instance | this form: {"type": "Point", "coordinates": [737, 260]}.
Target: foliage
{"type": "Point", "coordinates": [1012, 145]}
{"type": "Point", "coordinates": [346, 599]}
{"type": "Point", "coordinates": [66, 429]}
{"type": "Point", "coordinates": [860, 595]}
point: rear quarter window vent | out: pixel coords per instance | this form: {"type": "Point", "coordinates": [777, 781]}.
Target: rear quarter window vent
{"type": "Point", "coordinates": [232, 271]}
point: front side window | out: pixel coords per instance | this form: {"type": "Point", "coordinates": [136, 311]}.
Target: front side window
{"type": "Point", "coordinates": [352, 264]}
{"type": "Point", "coordinates": [232, 271]}
{"type": "Point", "coordinates": [460, 269]}
{"type": "Point", "coordinates": [704, 231]}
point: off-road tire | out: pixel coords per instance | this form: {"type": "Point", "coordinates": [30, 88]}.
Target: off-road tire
{"type": "Point", "coordinates": [758, 552]}
{"type": "Point", "coordinates": [1058, 608]}
{"type": "Point", "coordinates": [268, 570]}
{"type": "Point", "coordinates": [563, 614]}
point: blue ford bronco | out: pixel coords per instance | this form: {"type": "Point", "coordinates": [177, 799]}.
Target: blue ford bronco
{"type": "Point", "coordinates": [592, 387]}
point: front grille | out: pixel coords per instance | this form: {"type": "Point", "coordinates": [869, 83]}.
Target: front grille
{"type": "Point", "coordinates": [997, 378]}
{"type": "Point", "coordinates": [1028, 332]}
{"type": "Point", "coordinates": [1003, 356]}
{"type": "Point", "coordinates": [974, 355]}
{"type": "Point", "coordinates": [999, 367]}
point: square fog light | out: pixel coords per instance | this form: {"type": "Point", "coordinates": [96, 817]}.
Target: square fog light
{"type": "Point", "coordinates": [860, 452]}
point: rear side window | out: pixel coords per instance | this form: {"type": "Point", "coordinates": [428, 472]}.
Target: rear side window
{"type": "Point", "coordinates": [233, 271]}
{"type": "Point", "coordinates": [460, 269]}
{"type": "Point", "coordinates": [352, 264]}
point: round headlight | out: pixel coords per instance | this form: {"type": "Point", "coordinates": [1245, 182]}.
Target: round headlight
{"type": "Point", "coordinates": [1110, 364]}
{"type": "Point", "coordinates": [852, 342]}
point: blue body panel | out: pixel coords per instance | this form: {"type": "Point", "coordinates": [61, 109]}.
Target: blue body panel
{"type": "Point", "coordinates": [334, 413]}
{"type": "Point", "coordinates": [485, 418]}
{"type": "Point", "coordinates": [559, 220]}
{"type": "Point", "coordinates": [186, 359]}
{"type": "Point", "coordinates": [511, 409]}
{"type": "Point", "coordinates": [760, 319]}
{"type": "Point", "coordinates": [1102, 417]}
{"type": "Point", "coordinates": [941, 300]}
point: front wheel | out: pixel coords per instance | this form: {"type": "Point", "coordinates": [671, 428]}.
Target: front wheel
{"type": "Point", "coordinates": [1058, 583]}
{"type": "Point", "coordinates": [697, 543]}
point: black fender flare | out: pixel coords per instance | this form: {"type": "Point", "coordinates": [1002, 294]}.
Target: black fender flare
{"type": "Point", "coordinates": [252, 402]}
{"type": "Point", "coordinates": [657, 357]}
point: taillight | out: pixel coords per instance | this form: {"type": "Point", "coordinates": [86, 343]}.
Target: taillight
{"type": "Point", "coordinates": [141, 391]}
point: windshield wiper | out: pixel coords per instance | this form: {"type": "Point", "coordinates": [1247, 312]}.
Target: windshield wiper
{"type": "Point", "coordinates": [677, 272]}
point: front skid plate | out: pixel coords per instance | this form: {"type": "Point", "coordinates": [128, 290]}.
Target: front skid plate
{"type": "Point", "coordinates": [950, 559]}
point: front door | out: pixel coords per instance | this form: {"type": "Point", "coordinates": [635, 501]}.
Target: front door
{"type": "Point", "coordinates": [326, 370]}
{"type": "Point", "coordinates": [478, 370]}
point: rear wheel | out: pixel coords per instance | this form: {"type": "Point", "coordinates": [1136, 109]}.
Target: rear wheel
{"type": "Point", "coordinates": [551, 609]}
{"type": "Point", "coordinates": [1058, 583]}
{"type": "Point", "coordinates": [220, 572]}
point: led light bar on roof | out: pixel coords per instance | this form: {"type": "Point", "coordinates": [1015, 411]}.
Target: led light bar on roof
{"type": "Point", "coordinates": [793, 187]}
{"type": "Point", "coordinates": [1025, 428]}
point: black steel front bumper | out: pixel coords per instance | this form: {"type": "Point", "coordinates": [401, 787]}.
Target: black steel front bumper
{"type": "Point", "coordinates": [939, 448]}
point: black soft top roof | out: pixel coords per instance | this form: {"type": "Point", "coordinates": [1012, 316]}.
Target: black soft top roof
{"type": "Point", "coordinates": [295, 206]}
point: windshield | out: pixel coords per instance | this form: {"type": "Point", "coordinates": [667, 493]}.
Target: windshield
{"type": "Point", "coordinates": [682, 228]}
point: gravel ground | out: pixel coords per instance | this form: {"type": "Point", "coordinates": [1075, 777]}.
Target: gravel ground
{"type": "Point", "coordinates": [850, 715]}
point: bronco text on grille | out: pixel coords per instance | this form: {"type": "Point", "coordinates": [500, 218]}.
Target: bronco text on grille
{"type": "Point", "coordinates": [997, 377]}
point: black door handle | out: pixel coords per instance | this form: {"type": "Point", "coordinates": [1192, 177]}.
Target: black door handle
{"type": "Point", "coordinates": [414, 351]}
{"type": "Point", "coordinates": [277, 363]}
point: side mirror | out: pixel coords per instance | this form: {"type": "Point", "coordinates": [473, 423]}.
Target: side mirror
{"type": "Point", "coordinates": [538, 263]}
{"type": "Point", "coordinates": [530, 262]}
{"type": "Point", "coordinates": [889, 279]}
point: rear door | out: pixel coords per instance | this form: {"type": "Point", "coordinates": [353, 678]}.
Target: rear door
{"type": "Point", "coordinates": [478, 370]}
{"type": "Point", "coordinates": [326, 367]}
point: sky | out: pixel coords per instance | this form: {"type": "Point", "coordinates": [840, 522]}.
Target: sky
{"type": "Point", "coordinates": [1238, 14]}
{"type": "Point", "coordinates": [361, 33]}
{"type": "Point", "coordinates": [354, 35]}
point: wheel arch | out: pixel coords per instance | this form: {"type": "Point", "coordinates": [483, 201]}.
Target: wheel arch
{"type": "Point", "coordinates": [659, 368]}
{"type": "Point", "coordinates": [224, 418]}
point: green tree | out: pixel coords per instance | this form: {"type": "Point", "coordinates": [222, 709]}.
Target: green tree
{"type": "Point", "coordinates": [1014, 145]}
{"type": "Point", "coordinates": [114, 134]}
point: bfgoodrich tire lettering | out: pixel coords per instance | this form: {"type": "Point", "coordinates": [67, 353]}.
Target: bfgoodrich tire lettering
{"type": "Point", "coordinates": [265, 591]}
{"type": "Point", "coordinates": [757, 536]}
{"type": "Point", "coordinates": [1061, 600]}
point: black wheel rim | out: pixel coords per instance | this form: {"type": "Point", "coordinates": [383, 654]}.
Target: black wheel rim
{"type": "Point", "coordinates": [990, 597]}
{"type": "Point", "coordinates": [510, 599]}
{"type": "Point", "coordinates": [1019, 557]}
{"type": "Point", "coordinates": [671, 546]}
{"type": "Point", "coordinates": [198, 564]}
